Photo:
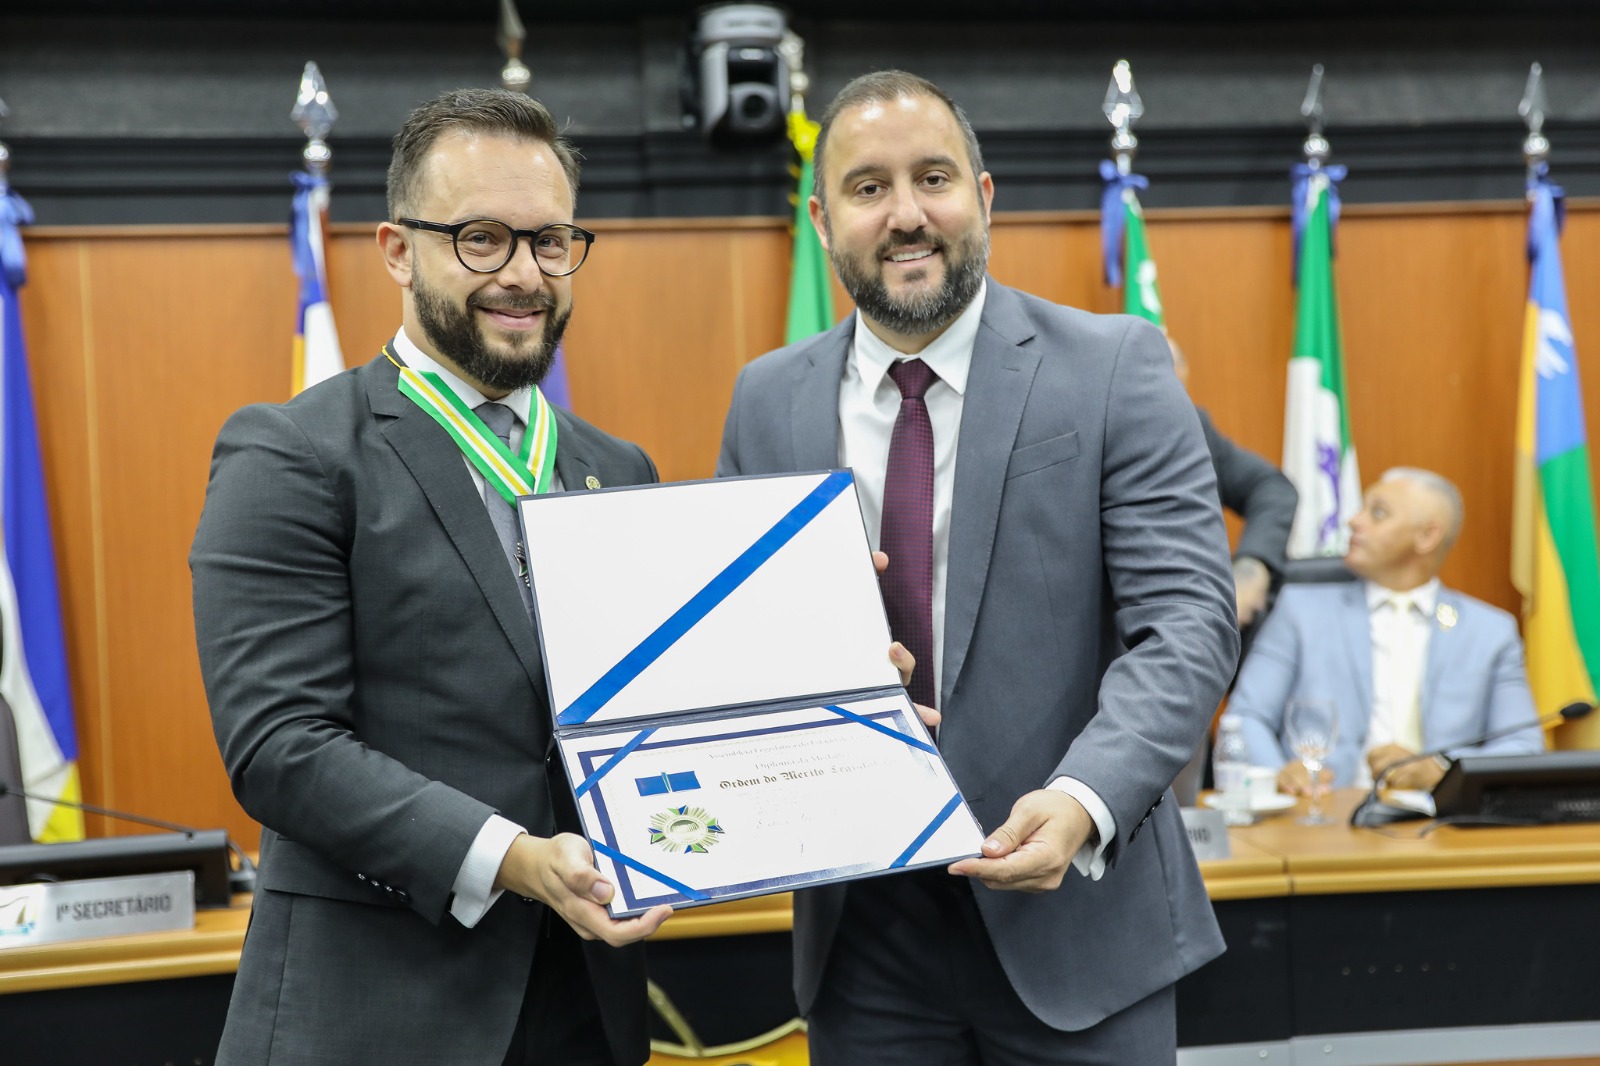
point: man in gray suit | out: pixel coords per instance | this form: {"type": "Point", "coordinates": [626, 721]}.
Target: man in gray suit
{"type": "Point", "coordinates": [1057, 565]}
{"type": "Point", "coordinates": [1409, 664]}
{"type": "Point", "coordinates": [373, 670]}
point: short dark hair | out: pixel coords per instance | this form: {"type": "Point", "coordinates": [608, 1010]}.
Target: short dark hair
{"type": "Point", "coordinates": [882, 87]}
{"type": "Point", "coordinates": [491, 111]}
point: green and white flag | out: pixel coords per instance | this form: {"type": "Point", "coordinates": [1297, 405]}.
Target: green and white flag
{"type": "Point", "coordinates": [1318, 453]}
{"type": "Point", "coordinates": [1140, 294]}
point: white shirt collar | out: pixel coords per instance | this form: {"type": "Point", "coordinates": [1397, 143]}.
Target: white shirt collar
{"type": "Point", "coordinates": [519, 401]}
{"type": "Point", "coordinates": [1425, 596]}
{"type": "Point", "coordinates": [949, 354]}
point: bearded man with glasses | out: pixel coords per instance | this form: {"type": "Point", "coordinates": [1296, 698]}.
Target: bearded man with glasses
{"type": "Point", "coordinates": [371, 661]}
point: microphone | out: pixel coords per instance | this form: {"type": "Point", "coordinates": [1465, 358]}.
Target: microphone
{"type": "Point", "coordinates": [1372, 811]}
{"type": "Point", "coordinates": [242, 879]}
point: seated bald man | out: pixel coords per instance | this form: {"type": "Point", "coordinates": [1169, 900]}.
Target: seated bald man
{"type": "Point", "coordinates": [1410, 664]}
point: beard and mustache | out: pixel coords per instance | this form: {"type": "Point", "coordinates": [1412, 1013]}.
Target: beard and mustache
{"type": "Point", "coordinates": [924, 311]}
{"type": "Point", "coordinates": [457, 335]}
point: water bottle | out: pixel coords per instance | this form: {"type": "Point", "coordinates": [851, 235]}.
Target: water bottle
{"type": "Point", "coordinates": [1230, 759]}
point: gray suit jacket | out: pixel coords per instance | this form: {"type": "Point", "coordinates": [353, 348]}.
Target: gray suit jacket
{"type": "Point", "coordinates": [1317, 644]}
{"type": "Point", "coordinates": [377, 692]}
{"type": "Point", "coordinates": [1089, 626]}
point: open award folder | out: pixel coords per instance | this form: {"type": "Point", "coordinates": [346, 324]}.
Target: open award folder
{"type": "Point", "coordinates": [725, 708]}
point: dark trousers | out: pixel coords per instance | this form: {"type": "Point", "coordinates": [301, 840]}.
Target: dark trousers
{"type": "Point", "coordinates": [560, 1020]}
{"type": "Point", "coordinates": [913, 980]}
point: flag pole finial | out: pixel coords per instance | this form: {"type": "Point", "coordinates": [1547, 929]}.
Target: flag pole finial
{"type": "Point", "coordinates": [1316, 148]}
{"type": "Point", "coordinates": [315, 114]}
{"type": "Point", "coordinates": [515, 75]}
{"type": "Point", "coordinates": [1535, 147]}
{"type": "Point", "coordinates": [1123, 108]}
{"type": "Point", "coordinates": [5, 153]}
{"type": "Point", "coordinates": [793, 49]}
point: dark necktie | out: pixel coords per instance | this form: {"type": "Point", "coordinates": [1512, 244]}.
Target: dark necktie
{"type": "Point", "coordinates": [907, 530]}
{"type": "Point", "coordinates": [500, 418]}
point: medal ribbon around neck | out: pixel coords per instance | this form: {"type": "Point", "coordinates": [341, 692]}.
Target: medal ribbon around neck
{"type": "Point", "coordinates": [527, 473]}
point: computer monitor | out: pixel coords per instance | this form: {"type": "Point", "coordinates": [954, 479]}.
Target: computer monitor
{"type": "Point", "coordinates": [203, 851]}
{"type": "Point", "coordinates": [1552, 786]}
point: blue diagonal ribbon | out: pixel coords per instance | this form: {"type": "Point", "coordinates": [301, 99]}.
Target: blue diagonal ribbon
{"type": "Point", "coordinates": [1299, 183]}
{"type": "Point", "coordinates": [14, 212]}
{"type": "Point", "coordinates": [932, 827]}
{"type": "Point", "coordinates": [1112, 218]}
{"type": "Point", "coordinates": [885, 730]}
{"type": "Point", "coordinates": [703, 602]}
{"type": "Point", "coordinates": [633, 864]}
{"type": "Point", "coordinates": [610, 764]}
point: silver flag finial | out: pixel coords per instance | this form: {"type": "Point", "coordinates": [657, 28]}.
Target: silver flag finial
{"type": "Point", "coordinates": [793, 49]}
{"type": "Point", "coordinates": [1123, 108]}
{"type": "Point", "coordinates": [515, 75]}
{"type": "Point", "coordinates": [1317, 148]}
{"type": "Point", "coordinates": [315, 114]}
{"type": "Point", "coordinates": [1535, 148]}
{"type": "Point", "coordinates": [5, 153]}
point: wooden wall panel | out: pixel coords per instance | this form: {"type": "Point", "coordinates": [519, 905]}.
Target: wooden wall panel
{"type": "Point", "coordinates": [142, 343]}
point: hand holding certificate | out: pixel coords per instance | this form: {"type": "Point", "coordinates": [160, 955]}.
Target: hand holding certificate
{"type": "Point", "coordinates": [725, 709]}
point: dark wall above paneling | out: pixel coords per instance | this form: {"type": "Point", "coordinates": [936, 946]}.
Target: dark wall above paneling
{"type": "Point", "coordinates": [164, 110]}
{"type": "Point", "coordinates": [941, 10]}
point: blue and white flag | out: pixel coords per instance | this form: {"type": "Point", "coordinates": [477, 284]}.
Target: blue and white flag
{"type": "Point", "coordinates": [33, 651]}
{"type": "Point", "coordinates": [317, 355]}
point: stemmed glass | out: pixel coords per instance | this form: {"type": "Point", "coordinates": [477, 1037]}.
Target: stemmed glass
{"type": "Point", "coordinates": [1313, 726]}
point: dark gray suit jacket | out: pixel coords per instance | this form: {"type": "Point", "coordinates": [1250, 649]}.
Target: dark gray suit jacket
{"type": "Point", "coordinates": [1089, 627]}
{"type": "Point", "coordinates": [377, 692]}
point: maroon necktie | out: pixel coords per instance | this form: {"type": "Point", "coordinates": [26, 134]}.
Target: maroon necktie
{"type": "Point", "coordinates": [907, 530]}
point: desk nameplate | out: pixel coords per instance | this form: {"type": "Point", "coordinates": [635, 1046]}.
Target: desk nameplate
{"type": "Point", "coordinates": [52, 912]}
{"type": "Point", "coordinates": [1208, 834]}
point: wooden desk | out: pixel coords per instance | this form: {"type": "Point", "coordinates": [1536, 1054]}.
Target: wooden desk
{"type": "Point", "coordinates": [1334, 858]}
{"type": "Point", "coordinates": [211, 947]}
{"type": "Point", "coordinates": [1329, 929]}
{"type": "Point", "coordinates": [1466, 932]}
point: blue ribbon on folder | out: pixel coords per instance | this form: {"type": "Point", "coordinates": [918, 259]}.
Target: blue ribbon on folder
{"type": "Point", "coordinates": [611, 764]}
{"type": "Point", "coordinates": [616, 856]}
{"type": "Point", "coordinates": [703, 602]}
{"type": "Point", "coordinates": [932, 827]}
{"type": "Point", "coordinates": [885, 730]}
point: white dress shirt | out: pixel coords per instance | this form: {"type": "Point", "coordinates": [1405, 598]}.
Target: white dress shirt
{"type": "Point", "coordinates": [474, 884]}
{"type": "Point", "coordinates": [869, 404]}
{"type": "Point", "coordinates": [1401, 624]}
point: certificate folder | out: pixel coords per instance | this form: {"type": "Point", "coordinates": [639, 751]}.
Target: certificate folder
{"type": "Point", "coordinates": [717, 660]}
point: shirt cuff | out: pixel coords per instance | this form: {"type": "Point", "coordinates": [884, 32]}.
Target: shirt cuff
{"type": "Point", "coordinates": [1091, 858]}
{"type": "Point", "coordinates": [474, 888]}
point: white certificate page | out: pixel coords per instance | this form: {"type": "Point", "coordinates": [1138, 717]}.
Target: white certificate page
{"type": "Point", "coordinates": [690, 813]}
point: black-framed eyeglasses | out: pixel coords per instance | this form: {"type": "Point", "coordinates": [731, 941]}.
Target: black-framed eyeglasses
{"type": "Point", "coordinates": [484, 245]}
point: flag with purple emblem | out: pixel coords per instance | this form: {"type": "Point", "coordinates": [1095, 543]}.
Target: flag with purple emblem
{"type": "Point", "coordinates": [1318, 454]}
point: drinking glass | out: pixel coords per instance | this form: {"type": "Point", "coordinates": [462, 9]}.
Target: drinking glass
{"type": "Point", "coordinates": [1313, 726]}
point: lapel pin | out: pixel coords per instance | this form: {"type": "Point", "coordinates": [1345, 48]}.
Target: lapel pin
{"type": "Point", "coordinates": [591, 482]}
{"type": "Point", "coordinates": [1446, 615]}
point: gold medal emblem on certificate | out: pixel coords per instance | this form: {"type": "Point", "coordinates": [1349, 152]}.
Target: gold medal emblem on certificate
{"type": "Point", "coordinates": [685, 829]}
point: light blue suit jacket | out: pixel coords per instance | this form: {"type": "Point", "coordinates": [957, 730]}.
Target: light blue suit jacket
{"type": "Point", "coordinates": [1317, 644]}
